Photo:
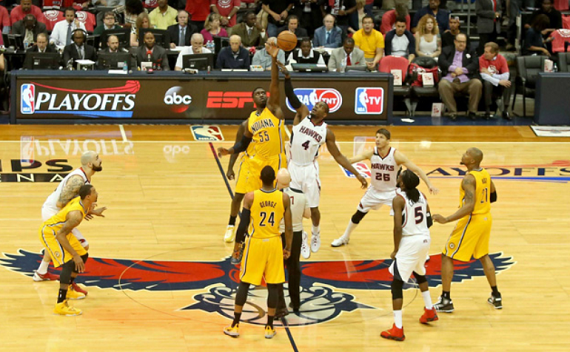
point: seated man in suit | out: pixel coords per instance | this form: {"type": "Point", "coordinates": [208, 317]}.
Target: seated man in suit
{"type": "Point", "coordinates": [113, 46]}
{"type": "Point", "coordinates": [181, 33]}
{"type": "Point", "coordinates": [250, 31]}
{"type": "Point", "coordinates": [78, 50]}
{"type": "Point", "coordinates": [197, 47]}
{"type": "Point", "coordinates": [460, 69]}
{"type": "Point", "coordinates": [109, 22]}
{"type": "Point", "coordinates": [150, 52]}
{"type": "Point", "coordinates": [29, 28]}
{"type": "Point", "coordinates": [329, 35]}
{"type": "Point", "coordinates": [345, 56]}
{"type": "Point", "coordinates": [42, 46]}
{"type": "Point", "coordinates": [293, 27]}
{"type": "Point", "coordinates": [400, 41]}
{"type": "Point", "coordinates": [234, 56]}
{"type": "Point", "coordinates": [305, 54]}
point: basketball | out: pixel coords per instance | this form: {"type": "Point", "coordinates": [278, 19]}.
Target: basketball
{"type": "Point", "coordinates": [286, 41]}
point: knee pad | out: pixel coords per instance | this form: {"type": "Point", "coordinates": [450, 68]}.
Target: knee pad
{"type": "Point", "coordinates": [241, 296]}
{"type": "Point", "coordinates": [397, 292]}
{"type": "Point", "coordinates": [357, 217]}
{"type": "Point", "coordinates": [273, 295]}
{"type": "Point", "coordinates": [420, 278]}
{"type": "Point", "coordinates": [66, 270]}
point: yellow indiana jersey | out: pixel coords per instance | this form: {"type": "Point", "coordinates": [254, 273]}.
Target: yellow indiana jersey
{"type": "Point", "coordinates": [56, 222]}
{"type": "Point", "coordinates": [266, 214]}
{"type": "Point", "coordinates": [267, 139]}
{"type": "Point", "coordinates": [482, 192]}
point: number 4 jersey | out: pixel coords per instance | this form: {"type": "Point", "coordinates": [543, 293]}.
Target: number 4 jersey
{"type": "Point", "coordinates": [306, 140]}
{"type": "Point", "coordinates": [384, 171]}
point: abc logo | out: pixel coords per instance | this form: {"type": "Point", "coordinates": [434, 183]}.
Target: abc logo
{"type": "Point", "coordinates": [177, 101]}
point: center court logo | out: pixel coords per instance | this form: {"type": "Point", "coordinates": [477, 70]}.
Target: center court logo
{"type": "Point", "coordinates": [175, 98]}
{"type": "Point", "coordinates": [311, 96]}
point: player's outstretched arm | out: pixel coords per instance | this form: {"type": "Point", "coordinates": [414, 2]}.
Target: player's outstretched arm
{"type": "Point", "coordinates": [398, 205]}
{"type": "Point", "coordinates": [275, 94]}
{"type": "Point", "coordinates": [363, 156]}
{"type": "Point", "coordinates": [72, 221]}
{"type": "Point", "coordinates": [288, 226]}
{"type": "Point", "coordinates": [302, 110]}
{"type": "Point", "coordinates": [70, 191]}
{"type": "Point", "coordinates": [401, 159]}
{"type": "Point", "coordinates": [341, 159]}
{"type": "Point", "coordinates": [239, 146]}
{"type": "Point", "coordinates": [468, 186]}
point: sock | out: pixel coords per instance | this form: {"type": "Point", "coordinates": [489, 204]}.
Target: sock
{"type": "Point", "coordinates": [62, 295]}
{"type": "Point", "coordinates": [237, 317]}
{"type": "Point", "coordinates": [270, 321]}
{"type": "Point", "coordinates": [316, 230]}
{"type": "Point", "coordinates": [232, 221]}
{"type": "Point", "coordinates": [495, 291]}
{"type": "Point", "coordinates": [43, 268]}
{"type": "Point", "coordinates": [445, 294]}
{"type": "Point", "coordinates": [351, 226]}
{"type": "Point", "coordinates": [398, 318]}
{"type": "Point", "coordinates": [427, 300]}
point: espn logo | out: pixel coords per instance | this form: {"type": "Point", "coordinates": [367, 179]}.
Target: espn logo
{"type": "Point", "coordinates": [228, 100]}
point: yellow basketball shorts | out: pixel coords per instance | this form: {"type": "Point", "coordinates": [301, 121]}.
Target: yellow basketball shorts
{"type": "Point", "coordinates": [263, 257]}
{"type": "Point", "coordinates": [59, 255]}
{"type": "Point", "coordinates": [249, 173]}
{"type": "Point", "coordinates": [470, 238]}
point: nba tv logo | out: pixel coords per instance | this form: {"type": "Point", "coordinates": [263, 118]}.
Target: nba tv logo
{"type": "Point", "coordinates": [27, 99]}
{"type": "Point", "coordinates": [369, 101]}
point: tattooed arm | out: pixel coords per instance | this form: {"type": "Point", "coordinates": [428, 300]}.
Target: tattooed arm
{"type": "Point", "coordinates": [70, 191]}
{"type": "Point", "coordinates": [468, 186]}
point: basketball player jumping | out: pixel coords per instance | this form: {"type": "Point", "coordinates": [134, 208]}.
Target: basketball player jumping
{"type": "Point", "coordinates": [385, 162]}
{"type": "Point", "coordinates": [309, 133]}
{"type": "Point", "coordinates": [471, 234]}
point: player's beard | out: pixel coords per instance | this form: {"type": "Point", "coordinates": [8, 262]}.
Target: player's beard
{"type": "Point", "coordinates": [97, 168]}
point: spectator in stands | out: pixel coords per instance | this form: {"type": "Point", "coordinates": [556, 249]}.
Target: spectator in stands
{"type": "Point", "coordinates": [108, 23]}
{"type": "Point", "coordinates": [357, 16]}
{"type": "Point", "coordinates": [234, 56]}
{"type": "Point", "coordinates": [495, 74]}
{"type": "Point", "coordinates": [263, 59]}
{"type": "Point", "coordinates": [250, 31]}
{"type": "Point", "coordinates": [342, 10]}
{"type": "Point", "coordinates": [389, 18]}
{"type": "Point", "coordinates": [113, 46]}
{"type": "Point", "coordinates": [143, 21]}
{"type": "Point", "coordinates": [460, 69]}
{"type": "Point", "coordinates": [78, 50]}
{"type": "Point", "coordinates": [534, 42]}
{"type": "Point", "coordinates": [488, 22]}
{"type": "Point", "coordinates": [553, 15]}
{"type": "Point", "coordinates": [197, 47]}
{"type": "Point", "coordinates": [42, 45]}
{"type": "Point", "coordinates": [400, 41]}
{"type": "Point", "coordinates": [163, 16]}
{"type": "Point", "coordinates": [370, 41]}
{"type": "Point", "coordinates": [26, 8]}
{"type": "Point", "coordinates": [434, 9]}
{"type": "Point", "coordinates": [227, 9]}
{"type": "Point", "coordinates": [150, 52]}
{"type": "Point", "coordinates": [293, 27]}
{"type": "Point", "coordinates": [428, 42]}
{"type": "Point", "coordinates": [448, 37]}
{"type": "Point", "coordinates": [328, 35]}
{"type": "Point", "coordinates": [278, 11]}
{"type": "Point", "coordinates": [110, 3]}
{"type": "Point", "coordinates": [310, 15]}
{"type": "Point", "coordinates": [29, 28]}
{"type": "Point", "coordinates": [131, 11]}
{"type": "Point", "coordinates": [5, 24]}
{"type": "Point", "coordinates": [199, 11]}
{"type": "Point", "coordinates": [61, 34]}
{"type": "Point", "coordinates": [305, 54]}
{"type": "Point", "coordinates": [181, 33]}
{"type": "Point", "coordinates": [345, 56]}
{"type": "Point", "coordinates": [212, 28]}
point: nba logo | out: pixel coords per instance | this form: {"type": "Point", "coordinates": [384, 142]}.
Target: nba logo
{"type": "Point", "coordinates": [311, 96]}
{"type": "Point", "coordinates": [368, 101]}
{"type": "Point", "coordinates": [27, 94]}
{"type": "Point", "coordinates": [207, 133]}
{"type": "Point", "coordinates": [361, 168]}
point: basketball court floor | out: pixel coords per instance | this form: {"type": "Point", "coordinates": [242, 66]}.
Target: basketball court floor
{"type": "Point", "coordinates": [159, 276]}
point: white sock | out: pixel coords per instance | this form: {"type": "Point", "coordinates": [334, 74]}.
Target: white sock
{"type": "Point", "coordinates": [427, 299]}
{"type": "Point", "coordinates": [351, 226]}
{"type": "Point", "coordinates": [398, 318]}
{"type": "Point", "coordinates": [316, 230]}
{"type": "Point", "coordinates": [43, 267]}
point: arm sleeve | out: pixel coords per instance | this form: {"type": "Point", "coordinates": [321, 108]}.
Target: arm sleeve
{"type": "Point", "coordinates": [241, 145]}
{"type": "Point", "coordinates": [293, 100]}
{"type": "Point", "coordinates": [243, 225]}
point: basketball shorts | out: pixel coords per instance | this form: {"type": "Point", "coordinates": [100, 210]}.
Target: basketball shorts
{"type": "Point", "coordinates": [306, 179]}
{"type": "Point", "coordinates": [263, 257]}
{"type": "Point", "coordinates": [411, 256]}
{"type": "Point", "coordinates": [470, 238]}
{"type": "Point", "coordinates": [48, 212]}
{"type": "Point", "coordinates": [374, 199]}
{"type": "Point", "coordinates": [249, 173]}
{"type": "Point", "coordinates": [59, 255]}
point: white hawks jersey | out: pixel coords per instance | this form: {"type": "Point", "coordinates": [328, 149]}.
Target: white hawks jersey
{"type": "Point", "coordinates": [414, 215]}
{"type": "Point", "coordinates": [306, 140]}
{"type": "Point", "coordinates": [384, 171]}
{"type": "Point", "coordinates": [52, 199]}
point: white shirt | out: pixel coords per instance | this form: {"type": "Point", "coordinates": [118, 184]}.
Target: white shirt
{"type": "Point", "coordinates": [291, 60]}
{"type": "Point", "coordinates": [306, 140]}
{"type": "Point", "coordinates": [400, 45]}
{"type": "Point", "coordinates": [187, 50]}
{"type": "Point", "coordinates": [51, 201]}
{"type": "Point", "coordinates": [299, 203]}
{"type": "Point", "coordinates": [384, 171]}
{"type": "Point", "coordinates": [414, 216]}
{"type": "Point", "coordinates": [59, 34]}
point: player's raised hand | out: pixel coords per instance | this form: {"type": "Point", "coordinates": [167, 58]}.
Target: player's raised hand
{"type": "Point", "coordinates": [223, 151]}
{"type": "Point", "coordinates": [283, 69]}
{"type": "Point", "coordinates": [271, 46]}
{"type": "Point", "coordinates": [439, 218]}
{"type": "Point", "coordinates": [362, 180]}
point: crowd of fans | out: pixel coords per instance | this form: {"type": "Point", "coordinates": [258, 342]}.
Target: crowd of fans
{"type": "Point", "coordinates": [339, 34]}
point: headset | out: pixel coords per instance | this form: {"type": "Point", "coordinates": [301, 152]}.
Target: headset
{"type": "Point", "coordinates": [82, 31]}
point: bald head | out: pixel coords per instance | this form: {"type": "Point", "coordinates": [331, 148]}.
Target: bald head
{"type": "Point", "coordinates": [476, 154]}
{"type": "Point", "coordinates": [90, 161]}
{"type": "Point", "coordinates": [283, 178]}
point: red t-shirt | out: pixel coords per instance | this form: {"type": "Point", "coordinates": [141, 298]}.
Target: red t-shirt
{"type": "Point", "coordinates": [199, 9]}
{"type": "Point", "coordinates": [388, 21]}
{"type": "Point", "coordinates": [17, 14]}
{"type": "Point", "coordinates": [498, 65]}
{"type": "Point", "coordinates": [561, 36]}
{"type": "Point", "coordinates": [561, 5]}
{"type": "Point", "coordinates": [150, 4]}
{"type": "Point", "coordinates": [225, 7]}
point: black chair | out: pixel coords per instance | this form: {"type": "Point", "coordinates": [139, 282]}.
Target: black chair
{"type": "Point", "coordinates": [564, 59]}
{"type": "Point", "coordinates": [420, 93]}
{"type": "Point", "coordinates": [528, 68]}
{"type": "Point", "coordinates": [389, 63]}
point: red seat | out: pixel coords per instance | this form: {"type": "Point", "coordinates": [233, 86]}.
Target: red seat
{"type": "Point", "coordinates": [52, 5]}
{"type": "Point", "coordinates": [389, 63]}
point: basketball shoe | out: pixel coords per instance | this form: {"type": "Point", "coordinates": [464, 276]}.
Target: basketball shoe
{"type": "Point", "coordinates": [429, 315]}
{"type": "Point", "coordinates": [72, 294]}
{"type": "Point", "coordinates": [230, 233]}
{"type": "Point", "coordinates": [305, 249]}
{"type": "Point", "coordinates": [496, 302]}
{"type": "Point", "coordinates": [45, 277]}
{"type": "Point", "coordinates": [269, 332]}
{"type": "Point", "coordinates": [341, 241]}
{"type": "Point", "coordinates": [315, 242]}
{"type": "Point", "coordinates": [232, 331]}
{"type": "Point", "coordinates": [64, 309]}
{"type": "Point", "coordinates": [78, 288]}
{"type": "Point", "coordinates": [444, 305]}
{"type": "Point", "coordinates": [237, 255]}
{"type": "Point", "coordinates": [394, 334]}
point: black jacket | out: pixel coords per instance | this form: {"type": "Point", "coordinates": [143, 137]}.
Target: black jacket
{"type": "Point", "coordinates": [174, 31]}
{"type": "Point", "coordinates": [470, 62]}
